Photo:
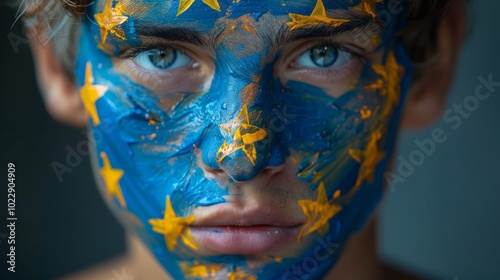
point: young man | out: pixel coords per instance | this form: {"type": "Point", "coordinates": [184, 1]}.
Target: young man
{"type": "Point", "coordinates": [248, 139]}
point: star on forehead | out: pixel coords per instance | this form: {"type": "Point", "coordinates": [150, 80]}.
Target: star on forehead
{"type": "Point", "coordinates": [369, 159]}
{"type": "Point", "coordinates": [111, 179]}
{"type": "Point", "coordinates": [174, 227]}
{"type": "Point", "coordinates": [318, 16]}
{"type": "Point", "coordinates": [318, 213]}
{"type": "Point", "coordinates": [184, 5]}
{"type": "Point", "coordinates": [109, 20]}
{"type": "Point", "coordinates": [90, 93]}
{"type": "Point", "coordinates": [244, 135]}
{"type": "Point", "coordinates": [368, 7]}
{"type": "Point", "coordinates": [391, 74]}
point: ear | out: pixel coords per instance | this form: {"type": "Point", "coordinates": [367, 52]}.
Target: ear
{"type": "Point", "coordinates": [428, 93]}
{"type": "Point", "coordinates": [58, 90]}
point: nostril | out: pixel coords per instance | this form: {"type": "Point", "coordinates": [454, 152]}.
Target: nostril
{"type": "Point", "coordinates": [213, 173]}
{"type": "Point", "coordinates": [274, 169]}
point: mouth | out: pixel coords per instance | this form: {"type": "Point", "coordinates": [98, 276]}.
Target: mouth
{"type": "Point", "coordinates": [228, 230]}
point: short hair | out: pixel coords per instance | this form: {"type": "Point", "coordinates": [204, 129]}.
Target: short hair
{"type": "Point", "coordinates": [60, 20]}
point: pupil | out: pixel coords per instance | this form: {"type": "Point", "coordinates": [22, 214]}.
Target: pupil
{"type": "Point", "coordinates": [163, 59]}
{"type": "Point", "coordinates": [324, 56]}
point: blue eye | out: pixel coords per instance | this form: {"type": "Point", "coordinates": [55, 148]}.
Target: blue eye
{"type": "Point", "coordinates": [162, 59]}
{"type": "Point", "coordinates": [325, 56]}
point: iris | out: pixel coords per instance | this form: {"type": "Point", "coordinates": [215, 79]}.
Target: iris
{"type": "Point", "coordinates": [324, 56]}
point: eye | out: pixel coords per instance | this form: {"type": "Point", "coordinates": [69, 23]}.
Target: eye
{"type": "Point", "coordinates": [324, 56]}
{"type": "Point", "coordinates": [162, 59]}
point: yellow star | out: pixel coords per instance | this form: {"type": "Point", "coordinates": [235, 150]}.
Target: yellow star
{"type": "Point", "coordinates": [199, 270]}
{"type": "Point", "coordinates": [173, 227]}
{"type": "Point", "coordinates": [244, 134]}
{"type": "Point", "coordinates": [111, 179]}
{"type": "Point", "coordinates": [318, 16]}
{"type": "Point", "coordinates": [368, 7]}
{"type": "Point", "coordinates": [233, 275]}
{"type": "Point", "coordinates": [90, 93]}
{"type": "Point", "coordinates": [184, 5]}
{"type": "Point", "coordinates": [369, 159]}
{"type": "Point", "coordinates": [109, 20]}
{"type": "Point", "coordinates": [391, 73]}
{"type": "Point", "coordinates": [318, 213]}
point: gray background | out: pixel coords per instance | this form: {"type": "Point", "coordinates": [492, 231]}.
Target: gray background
{"type": "Point", "coordinates": [445, 218]}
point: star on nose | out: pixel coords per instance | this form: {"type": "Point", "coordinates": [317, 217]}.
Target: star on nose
{"type": "Point", "coordinates": [244, 136]}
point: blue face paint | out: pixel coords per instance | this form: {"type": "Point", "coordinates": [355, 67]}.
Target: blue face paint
{"type": "Point", "coordinates": [252, 103]}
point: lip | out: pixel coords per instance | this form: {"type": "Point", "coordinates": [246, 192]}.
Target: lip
{"type": "Point", "coordinates": [230, 230]}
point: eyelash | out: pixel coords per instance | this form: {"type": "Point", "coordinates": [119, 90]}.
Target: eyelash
{"type": "Point", "coordinates": [330, 74]}
{"type": "Point", "coordinates": [145, 75]}
{"type": "Point", "coordinates": [331, 42]}
{"type": "Point", "coordinates": [132, 52]}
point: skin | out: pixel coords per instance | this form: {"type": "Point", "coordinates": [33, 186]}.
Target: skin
{"type": "Point", "coordinates": [233, 179]}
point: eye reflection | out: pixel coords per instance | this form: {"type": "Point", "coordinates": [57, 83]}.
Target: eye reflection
{"type": "Point", "coordinates": [324, 56]}
{"type": "Point", "coordinates": [162, 59]}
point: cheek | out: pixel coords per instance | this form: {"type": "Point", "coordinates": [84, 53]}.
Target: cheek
{"type": "Point", "coordinates": [153, 150]}
{"type": "Point", "coordinates": [325, 130]}
{"type": "Point", "coordinates": [317, 121]}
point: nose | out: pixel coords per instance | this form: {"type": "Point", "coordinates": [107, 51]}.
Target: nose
{"type": "Point", "coordinates": [243, 147]}
{"type": "Point", "coordinates": [239, 142]}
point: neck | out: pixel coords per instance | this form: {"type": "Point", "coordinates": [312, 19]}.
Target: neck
{"type": "Point", "coordinates": [359, 259]}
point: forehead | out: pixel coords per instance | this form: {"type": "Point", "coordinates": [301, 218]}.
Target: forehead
{"type": "Point", "coordinates": [202, 14]}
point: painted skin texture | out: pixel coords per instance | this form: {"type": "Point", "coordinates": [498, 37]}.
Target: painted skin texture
{"type": "Point", "coordinates": [223, 122]}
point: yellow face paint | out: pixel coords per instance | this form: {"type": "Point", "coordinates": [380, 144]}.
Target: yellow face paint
{"type": "Point", "coordinates": [109, 21]}
{"type": "Point", "coordinates": [318, 16]}
{"type": "Point", "coordinates": [174, 227]}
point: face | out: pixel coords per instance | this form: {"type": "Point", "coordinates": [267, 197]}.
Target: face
{"type": "Point", "coordinates": [242, 138]}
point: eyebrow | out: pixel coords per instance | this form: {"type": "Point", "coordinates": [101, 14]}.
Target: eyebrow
{"type": "Point", "coordinates": [326, 30]}
{"type": "Point", "coordinates": [169, 33]}
{"type": "Point", "coordinates": [284, 35]}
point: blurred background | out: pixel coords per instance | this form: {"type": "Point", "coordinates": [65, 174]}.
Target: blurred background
{"type": "Point", "coordinates": [441, 217]}
{"type": "Point", "coordinates": [445, 217]}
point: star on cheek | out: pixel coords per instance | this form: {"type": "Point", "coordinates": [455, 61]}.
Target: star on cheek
{"type": "Point", "coordinates": [318, 16]}
{"type": "Point", "coordinates": [391, 74]}
{"type": "Point", "coordinates": [244, 134]}
{"type": "Point", "coordinates": [109, 20]}
{"type": "Point", "coordinates": [318, 213]}
{"type": "Point", "coordinates": [184, 5]}
{"type": "Point", "coordinates": [111, 179]}
{"type": "Point", "coordinates": [174, 227]}
{"type": "Point", "coordinates": [369, 159]}
{"type": "Point", "coordinates": [90, 93]}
